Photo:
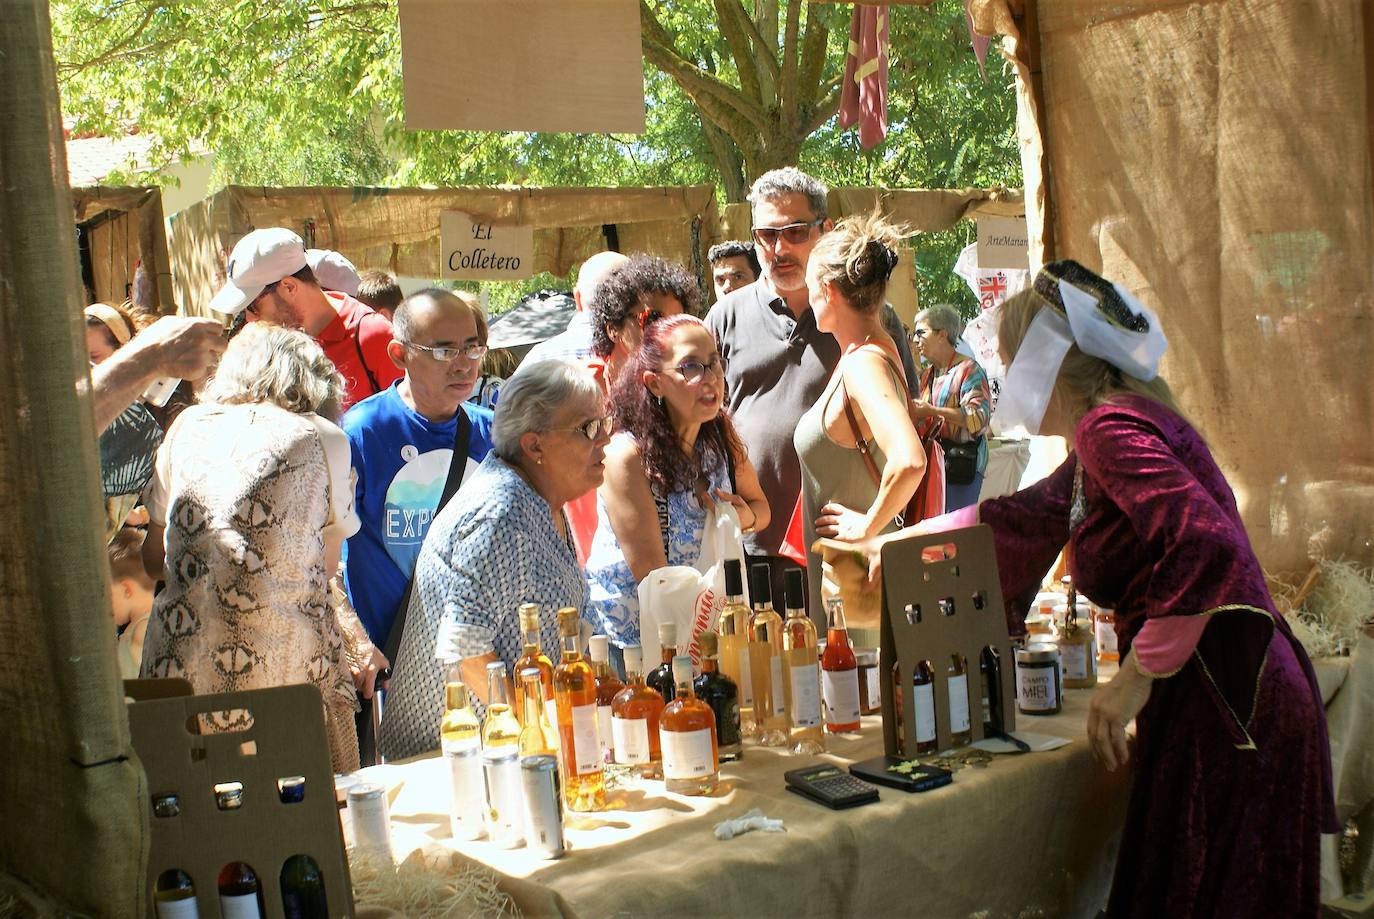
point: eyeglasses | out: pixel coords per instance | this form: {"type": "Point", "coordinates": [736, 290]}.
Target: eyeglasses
{"type": "Point", "coordinates": [794, 233]}
{"type": "Point", "coordinates": [919, 334]}
{"type": "Point", "coordinates": [597, 427]}
{"type": "Point", "coordinates": [694, 370]}
{"type": "Point", "coordinates": [252, 306]}
{"type": "Point", "coordinates": [473, 352]}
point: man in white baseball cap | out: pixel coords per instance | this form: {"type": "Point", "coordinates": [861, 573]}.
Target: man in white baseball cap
{"type": "Point", "coordinates": [333, 270]}
{"type": "Point", "coordinates": [270, 279]}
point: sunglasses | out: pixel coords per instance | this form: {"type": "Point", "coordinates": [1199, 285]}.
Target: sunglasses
{"type": "Point", "coordinates": [597, 427]}
{"type": "Point", "coordinates": [252, 306]}
{"type": "Point", "coordinates": [919, 334]}
{"type": "Point", "coordinates": [794, 233]}
{"type": "Point", "coordinates": [694, 370]}
{"type": "Point", "coordinates": [473, 352]}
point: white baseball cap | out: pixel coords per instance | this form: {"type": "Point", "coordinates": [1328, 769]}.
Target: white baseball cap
{"type": "Point", "coordinates": [333, 271]}
{"type": "Point", "coordinates": [262, 257]}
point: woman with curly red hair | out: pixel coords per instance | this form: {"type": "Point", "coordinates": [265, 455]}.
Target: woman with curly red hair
{"type": "Point", "coordinates": [675, 452]}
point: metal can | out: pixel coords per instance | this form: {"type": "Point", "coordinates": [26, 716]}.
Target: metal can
{"type": "Point", "coordinates": [468, 802]}
{"type": "Point", "coordinates": [371, 822]}
{"type": "Point", "coordinates": [342, 783]}
{"type": "Point", "coordinates": [543, 805]}
{"type": "Point", "coordinates": [505, 805]}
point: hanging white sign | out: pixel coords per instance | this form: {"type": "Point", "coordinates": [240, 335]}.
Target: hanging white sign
{"type": "Point", "coordinates": [1003, 242]}
{"type": "Point", "coordinates": [474, 249]}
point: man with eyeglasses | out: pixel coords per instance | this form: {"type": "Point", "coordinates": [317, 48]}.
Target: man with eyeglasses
{"type": "Point", "coordinates": [270, 279]}
{"type": "Point", "coordinates": [777, 361]}
{"type": "Point", "coordinates": [403, 440]}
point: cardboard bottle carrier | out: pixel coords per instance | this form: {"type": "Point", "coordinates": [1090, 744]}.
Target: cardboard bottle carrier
{"type": "Point", "coordinates": [285, 740]}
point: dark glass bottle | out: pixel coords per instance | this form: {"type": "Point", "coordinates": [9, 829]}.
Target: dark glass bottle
{"type": "Point", "coordinates": [661, 677]}
{"type": "Point", "coordinates": [174, 895]}
{"type": "Point", "coordinates": [240, 893]}
{"type": "Point", "coordinates": [302, 889]}
{"type": "Point", "coordinates": [720, 692]}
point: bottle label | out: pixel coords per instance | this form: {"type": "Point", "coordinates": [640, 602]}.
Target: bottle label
{"type": "Point", "coordinates": [1035, 689]}
{"type": "Point", "coordinates": [1075, 660]}
{"type": "Point", "coordinates": [875, 691]}
{"type": "Point", "coordinates": [603, 728]}
{"type": "Point", "coordinates": [551, 712]}
{"type": "Point", "coordinates": [179, 909]}
{"type": "Point", "coordinates": [686, 754]}
{"type": "Point", "coordinates": [925, 712]}
{"type": "Point", "coordinates": [779, 698]}
{"type": "Point", "coordinates": [958, 704]}
{"type": "Point", "coordinates": [631, 738]}
{"type": "Point", "coordinates": [841, 691]}
{"type": "Point", "coordinates": [806, 698]}
{"type": "Point", "coordinates": [586, 742]}
{"type": "Point", "coordinates": [240, 906]}
{"type": "Point", "coordinates": [1106, 637]}
{"type": "Point", "coordinates": [746, 681]}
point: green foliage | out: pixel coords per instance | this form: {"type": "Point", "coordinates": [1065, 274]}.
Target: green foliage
{"type": "Point", "coordinates": [309, 92]}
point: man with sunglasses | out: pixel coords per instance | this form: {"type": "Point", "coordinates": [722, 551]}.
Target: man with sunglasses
{"type": "Point", "coordinates": [270, 279]}
{"type": "Point", "coordinates": [777, 361]}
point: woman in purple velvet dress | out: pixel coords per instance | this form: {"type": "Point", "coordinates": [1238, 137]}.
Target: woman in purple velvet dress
{"type": "Point", "coordinates": [1233, 776]}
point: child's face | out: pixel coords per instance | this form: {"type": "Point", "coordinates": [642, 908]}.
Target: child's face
{"type": "Point", "coordinates": [131, 599]}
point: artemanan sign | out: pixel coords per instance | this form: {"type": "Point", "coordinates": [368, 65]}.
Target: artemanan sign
{"type": "Point", "coordinates": [1003, 242]}
{"type": "Point", "coordinates": [473, 249]}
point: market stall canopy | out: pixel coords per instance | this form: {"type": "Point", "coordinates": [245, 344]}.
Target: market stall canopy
{"type": "Point", "coordinates": [534, 319]}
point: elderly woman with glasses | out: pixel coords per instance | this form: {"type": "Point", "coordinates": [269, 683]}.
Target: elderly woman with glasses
{"type": "Point", "coordinates": [954, 395]}
{"type": "Point", "coordinates": [642, 290]}
{"type": "Point", "coordinates": [675, 453]}
{"type": "Point", "coordinates": [502, 541]}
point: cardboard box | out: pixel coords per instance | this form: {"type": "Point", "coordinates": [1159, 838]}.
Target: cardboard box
{"type": "Point", "coordinates": [941, 596]}
{"type": "Point", "coordinates": [286, 739]}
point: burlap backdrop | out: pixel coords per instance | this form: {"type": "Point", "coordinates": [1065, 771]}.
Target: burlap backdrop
{"type": "Point", "coordinates": [72, 824]}
{"type": "Point", "coordinates": [1215, 157]}
{"type": "Point", "coordinates": [125, 227]}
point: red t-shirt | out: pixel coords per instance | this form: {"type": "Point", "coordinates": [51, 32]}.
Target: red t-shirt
{"type": "Point", "coordinates": [356, 342]}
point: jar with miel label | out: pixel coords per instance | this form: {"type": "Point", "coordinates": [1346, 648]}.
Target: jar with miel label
{"type": "Point", "coordinates": [1039, 689]}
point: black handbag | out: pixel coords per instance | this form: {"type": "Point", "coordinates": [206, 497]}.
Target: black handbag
{"type": "Point", "coordinates": [961, 462]}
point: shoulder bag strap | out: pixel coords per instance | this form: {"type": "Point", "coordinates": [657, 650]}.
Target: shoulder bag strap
{"type": "Point", "coordinates": [362, 359]}
{"type": "Point", "coordinates": [859, 443]}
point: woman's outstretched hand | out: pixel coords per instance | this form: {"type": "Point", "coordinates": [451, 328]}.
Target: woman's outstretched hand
{"type": "Point", "coordinates": [1114, 706]}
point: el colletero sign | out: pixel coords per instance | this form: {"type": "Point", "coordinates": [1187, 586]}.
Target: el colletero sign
{"type": "Point", "coordinates": [475, 249]}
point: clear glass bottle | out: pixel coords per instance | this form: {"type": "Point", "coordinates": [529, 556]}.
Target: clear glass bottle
{"type": "Point", "coordinates": [537, 736]}
{"type": "Point", "coordinates": [532, 655]}
{"type": "Point", "coordinates": [501, 728]}
{"type": "Point", "coordinates": [802, 667]}
{"type": "Point", "coordinates": [634, 719]}
{"type": "Point", "coordinates": [574, 687]}
{"type": "Point", "coordinates": [661, 677]}
{"type": "Point", "coordinates": [607, 686]}
{"type": "Point", "coordinates": [240, 892]}
{"type": "Point", "coordinates": [733, 628]}
{"type": "Point", "coordinates": [302, 889]}
{"type": "Point", "coordinates": [839, 672]}
{"type": "Point", "coordinates": [960, 729]}
{"type": "Point", "coordinates": [687, 732]}
{"type": "Point", "coordinates": [765, 660]}
{"type": "Point", "coordinates": [719, 691]}
{"type": "Point", "coordinates": [174, 896]}
{"type": "Point", "coordinates": [460, 739]}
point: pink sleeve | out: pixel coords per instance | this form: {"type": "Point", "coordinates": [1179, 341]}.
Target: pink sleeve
{"type": "Point", "coordinates": [1165, 643]}
{"type": "Point", "coordinates": [954, 520]}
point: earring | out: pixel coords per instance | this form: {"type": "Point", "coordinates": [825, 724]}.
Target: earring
{"type": "Point", "coordinates": [539, 462]}
{"type": "Point", "coordinates": [659, 401]}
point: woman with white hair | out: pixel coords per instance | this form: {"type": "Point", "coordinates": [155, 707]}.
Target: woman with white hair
{"type": "Point", "coordinates": [502, 541]}
{"type": "Point", "coordinates": [954, 395]}
{"type": "Point", "coordinates": [250, 503]}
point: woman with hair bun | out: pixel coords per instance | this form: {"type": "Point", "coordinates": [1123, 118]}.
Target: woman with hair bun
{"type": "Point", "coordinates": [860, 429]}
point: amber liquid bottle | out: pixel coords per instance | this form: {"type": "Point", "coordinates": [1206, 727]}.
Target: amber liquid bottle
{"type": "Point", "coordinates": [733, 628]}
{"type": "Point", "coordinates": [574, 687]}
{"type": "Point", "coordinates": [500, 729]}
{"type": "Point", "coordinates": [839, 672]}
{"type": "Point", "coordinates": [960, 725]}
{"type": "Point", "coordinates": [687, 732]}
{"type": "Point", "coordinates": [240, 893]}
{"type": "Point", "coordinates": [533, 656]}
{"type": "Point", "coordinates": [719, 691]}
{"type": "Point", "coordinates": [661, 677]}
{"type": "Point", "coordinates": [923, 690]}
{"type": "Point", "coordinates": [608, 685]}
{"type": "Point", "coordinates": [634, 720]}
{"type": "Point", "coordinates": [460, 739]}
{"type": "Point", "coordinates": [765, 660]}
{"type": "Point", "coordinates": [537, 736]}
{"type": "Point", "coordinates": [802, 668]}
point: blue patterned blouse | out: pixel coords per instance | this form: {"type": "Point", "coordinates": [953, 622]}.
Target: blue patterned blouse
{"type": "Point", "coordinates": [613, 605]}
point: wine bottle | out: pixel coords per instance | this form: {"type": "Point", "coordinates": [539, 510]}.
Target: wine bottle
{"type": "Point", "coordinates": [174, 896]}
{"type": "Point", "coordinates": [302, 889]}
{"type": "Point", "coordinates": [661, 677]}
{"type": "Point", "coordinates": [240, 893]}
{"type": "Point", "coordinates": [607, 686]}
{"type": "Point", "coordinates": [536, 734]}
{"type": "Point", "coordinates": [960, 730]}
{"type": "Point", "coordinates": [802, 666]}
{"type": "Point", "coordinates": [765, 660]}
{"type": "Point", "coordinates": [719, 692]}
{"type": "Point", "coordinates": [839, 673]}
{"type": "Point", "coordinates": [460, 739]}
{"type": "Point", "coordinates": [574, 687]}
{"type": "Point", "coordinates": [634, 719]}
{"type": "Point", "coordinates": [533, 655]}
{"type": "Point", "coordinates": [687, 732]}
{"type": "Point", "coordinates": [733, 628]}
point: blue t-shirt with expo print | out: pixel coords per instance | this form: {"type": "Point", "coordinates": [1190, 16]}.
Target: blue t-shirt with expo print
{"type": "Point", "coordinates": [402, 461]}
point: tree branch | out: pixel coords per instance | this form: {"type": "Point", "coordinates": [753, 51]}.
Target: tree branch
{"type": "Point", "coordinates": [114, 51]}
{"type": "Point", "coordinates": [787, 84]}
{"type": "Point", "coordinates": [823, 112]}
{"type": "Point", "coordinates": [767, 53]}
{"type": "Point", "coordinates": [728, 14]}
{"type": "Point", "coordinates": [814, 42]}
{"type": "Point", "coordinates": [701, 86]}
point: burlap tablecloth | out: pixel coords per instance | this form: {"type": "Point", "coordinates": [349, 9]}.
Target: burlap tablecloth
{"type": "Point", "coordinates": [1035, 833]}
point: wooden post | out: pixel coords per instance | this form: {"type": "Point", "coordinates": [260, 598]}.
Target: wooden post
{"type": "Point", "coordinates": [73, 831]}
{"type": "Point", "coordinates": [1028, 20]}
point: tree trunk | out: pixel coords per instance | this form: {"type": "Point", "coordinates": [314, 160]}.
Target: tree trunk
{"type": "Point", "coordinates": [729, 163]}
